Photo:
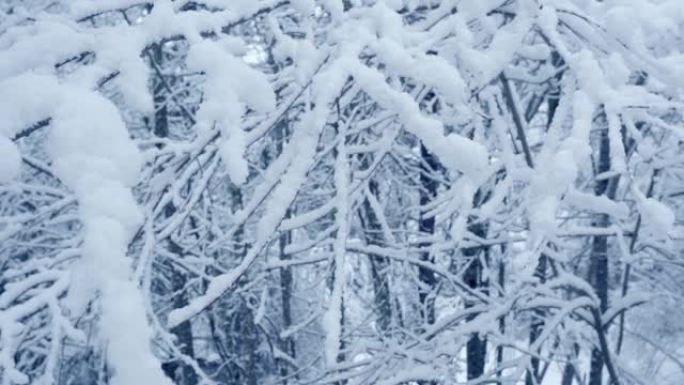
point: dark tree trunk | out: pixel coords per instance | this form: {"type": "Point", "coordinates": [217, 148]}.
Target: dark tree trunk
{"type": "Point", "coordinates": [426, 225]}
{"type": "Point", "coordinates": [373, 234]}
{"type": "Point", "coordinates": [569, 372]}
{"type": "Point", "coordinates": [379, 264]}
{"type": "Point", "coordinates": [181, 374]}
{"type": "Point", "coordinates": [286, 288]}
{"type": "Point", "coordinates": [286, 276]}
{"type": "Point", "coordinates": [502, 321]}
{"type": "Point", "coordinates": [598, 268]}
{"type": "Point", "coordinates": [428, 281]}
{"type": "Point", "coordinates": [476, 348]}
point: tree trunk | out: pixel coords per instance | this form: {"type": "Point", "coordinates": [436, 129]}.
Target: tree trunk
{"type": "Point", "coordinates": [428, 281]}
{"type": "Point", "coordinates": [286, 288]}
{"type": "Point", "coordinates": [502, 321]}
{"type": "Point", "coordinates": [598, 268]}
{"type": "Point", "coordinates": [286, 275]}
{"type": "Point", "coordinates": [379, 264]}
{"type": "Point", "coordinates": [476, 348]}
{"type": "Point", "coordinates": [426, 277]}
{"type": "Point", "coordinates": [569, 372]}
{"type": "Point", "coordinates": [179, 372]}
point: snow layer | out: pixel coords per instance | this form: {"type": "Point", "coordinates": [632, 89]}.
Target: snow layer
{"type": "Point", "coordinates": [94, 156]}
{"type": "Point", "coordinates": [231, 86]}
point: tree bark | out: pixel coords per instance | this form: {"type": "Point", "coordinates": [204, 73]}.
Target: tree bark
{"type": "Point", "coordinates": [379, 265]}
{"type": "Point", "coordinates": [426, 225]}
{"type": "Point", "coordinates": [598, 268]}
{"type": "Point", "coordinates": [182, 374]}
{"type": "Point", "coordinates": [428, 190]}
{"type": "Point", "coordinates": [476, 348]}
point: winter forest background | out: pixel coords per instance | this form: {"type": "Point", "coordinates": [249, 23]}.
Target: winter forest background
{"type": "Point", "coordinates": [342, 192]}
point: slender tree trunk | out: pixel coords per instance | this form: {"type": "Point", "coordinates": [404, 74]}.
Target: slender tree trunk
{"type": "Point", "coordinates": [426, 225]}
{"type": "Point", "coordinates": [569, 372]}
{"type": "Point", "coordinates": [179, 372]}
{"type": "Point", "coordinates": [379, 264]}
{"type": "Point", "coordinates": [476, 348]}
{"type": "Point", "coordinates": [286, 290]}
{"type": "Point", "coordinates": [598, 268]}
{"type": "Point", "coordinates": [286, 275]}
{"type": "Point", "coordinates": [428, 281]}
{"type": "Point", "coordinates": [532, 375]}
{"type": "Point", "coordinates": [502, 321]}
{"type": "Point", "coordinates": [337, 270]}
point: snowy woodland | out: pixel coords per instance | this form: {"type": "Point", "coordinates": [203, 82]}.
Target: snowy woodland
{"type": "Point", "coordinates": [342, 192]}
